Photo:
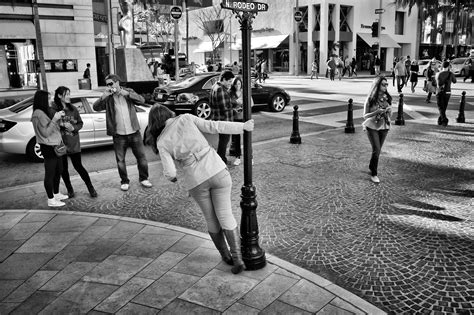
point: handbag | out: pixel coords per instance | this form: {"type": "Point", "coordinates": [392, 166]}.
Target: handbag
{"type": "Point", "coordinates": [60, 149]}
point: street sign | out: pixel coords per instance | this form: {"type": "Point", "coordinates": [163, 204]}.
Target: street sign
{"type": "Point", "coordinates": [176, 12]}
{"type": "Point", "coordinates": [244, 6]}
{"type": "Point", "coordinates": [298, 16]}
{"type": "Point", "coordinates": [379, 11]}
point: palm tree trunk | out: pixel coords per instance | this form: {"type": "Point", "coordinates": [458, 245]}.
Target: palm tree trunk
{"type": "Point", "coordinates": [39, 47]}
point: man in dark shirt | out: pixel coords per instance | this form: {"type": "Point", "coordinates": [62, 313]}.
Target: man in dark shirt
{"type": "Point", "coordinates": [87, 72]}
{"type": "Point", "coordinates": [443, 81]}
{"type": "Point", "coordinates": [221, 108]}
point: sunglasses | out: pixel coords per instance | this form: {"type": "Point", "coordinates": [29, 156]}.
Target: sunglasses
{"type": "Point", "coordinates": [384, 84]}
{"type": "Point", "coordinates": [110, 84]}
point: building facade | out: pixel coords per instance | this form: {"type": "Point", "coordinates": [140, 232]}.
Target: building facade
{"type": "Point", "coordinates": [328, 27]}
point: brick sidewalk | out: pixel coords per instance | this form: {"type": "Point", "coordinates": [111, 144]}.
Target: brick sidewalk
{"type": "Point", "coordinates": [403, 245]}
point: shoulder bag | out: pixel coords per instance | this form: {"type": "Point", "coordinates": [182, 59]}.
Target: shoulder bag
{"type": "Point", "coordinates": [60, 149]}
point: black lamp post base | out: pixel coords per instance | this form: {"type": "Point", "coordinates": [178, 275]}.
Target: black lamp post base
{"type": "Point", "coordinates": [252, 255]}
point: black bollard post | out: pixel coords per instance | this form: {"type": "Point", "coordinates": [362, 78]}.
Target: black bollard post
{"type": "Point", "coordinates": [350, 120]}
{"type": "Point", "coordinates": [461, 118]}
{"type": "Point", "coordinates": [400, 120]}
{"type": "Point", "coordinates": [295, 134]}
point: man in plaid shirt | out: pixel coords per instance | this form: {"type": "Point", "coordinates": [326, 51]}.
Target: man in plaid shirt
{"type": "Point", "coordinates": [221, 108]}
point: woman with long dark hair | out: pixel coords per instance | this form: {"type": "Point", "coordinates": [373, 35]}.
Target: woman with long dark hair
{"type": "Point", "coordinates": [236, 98]}
{"type": "Point", "coordinates": [206, 176]}
{"type": "Point", "coordinates": [377, 113]}
{"type": "Point", "coordinates": [48, 136]}
{"type": "Point", "coordinates": [70, 124]}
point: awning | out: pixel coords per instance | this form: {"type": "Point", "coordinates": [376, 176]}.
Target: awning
{"type": "Point", "coordinates": [385, 40]}
{"type": "Point", "coordinates": [16, 29]}
{"type": "Point", "coordinates": [262, 42]}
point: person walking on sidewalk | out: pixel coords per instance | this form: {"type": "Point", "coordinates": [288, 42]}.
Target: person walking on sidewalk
{"type": "Point", "coordinates": [221, 108]}
{"type": "Point", "coordinates": [414, 68]}
{"type": "Point", "coordinates": [377, 114]}
{"type": "Point", "coordinates": [444, 78]}
{"type": "Point", "coordinates": [407, 69]}
{"type": "Point", "coordinates": [377, 64]}
{"type": "Point", "coordinates": [331, 64]}
{"type": "Point", "coordinates": [400, 73]}
{"type": "Point", "coordinates": [123, 126]}
{"type": "Point", "coordinates": [430, 85]}
{"type": "Point", "coordinates": [314, 69]}
{"type": "Point", "coordinates": [470, 72]}
{"type": "Point", "coordinates": [70, 124]}
{"type": "Point", "coordinates": [353, 67]}
{"type": "Point", "coordinates": [180, 139]}
{"type": "Point", "coordinates": [48, 136]}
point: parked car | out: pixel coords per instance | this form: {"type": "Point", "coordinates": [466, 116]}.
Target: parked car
{"type": "Point", "coordinates": [424, 63]}
{"type": "Point", "coordinates": [458, 66]}
{"type": "Point", "coordinates": [193, 94]}
{"type": "Point", "coordinates": [17, 134]}
{"type": "Point", "coordinates": [465, 67]}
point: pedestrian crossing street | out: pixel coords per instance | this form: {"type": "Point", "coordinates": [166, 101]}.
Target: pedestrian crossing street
{"type": "Point", "coordinates": [325, 102]}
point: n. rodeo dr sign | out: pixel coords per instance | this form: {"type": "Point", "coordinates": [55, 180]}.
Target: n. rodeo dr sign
{"type": "Point", "coordinates": [244, 6]}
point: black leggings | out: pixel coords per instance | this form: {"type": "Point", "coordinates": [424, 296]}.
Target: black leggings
{"type": "Point", "coordinates": [53, 167]}
{"type": "Point", "coordinates": [76, 162]}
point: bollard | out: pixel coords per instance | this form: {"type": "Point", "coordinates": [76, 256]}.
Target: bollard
{"type": "Point", "coordinates": [350, 120]}
{"type": "Point", "coordinates": [461, 118]}
{"type": "Point", "coordinates": [400, 120]}
{"type": "Point", "coordinates": [295, 134]}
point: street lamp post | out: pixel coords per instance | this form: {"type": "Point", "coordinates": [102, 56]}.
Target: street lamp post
{"type": "Point", "coordinates": [252, 254]}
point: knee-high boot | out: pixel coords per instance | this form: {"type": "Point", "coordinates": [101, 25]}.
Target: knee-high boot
{"type": "Point", "coordinates": [233, 238]}
{"type": "Point", "coordinates": [219, 241]}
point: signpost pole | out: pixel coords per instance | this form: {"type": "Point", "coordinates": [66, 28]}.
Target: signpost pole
{"type": "Point", "coordinates": [297, 50]}
{"type": "Point", "coordinates": [379, 30]}
{"type": "Point", "coordinates": [252, 254]}
{"type": "Point", "coordinates": [176, 60]}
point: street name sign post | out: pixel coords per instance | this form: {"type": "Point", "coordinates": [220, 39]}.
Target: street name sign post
{"type": "Point", "coordinates": [176, 12]}
{"type": "Point", "coordinates": [298, 16]}
{"type": "Point", "coordinates": [244, 6]}
{"type": "Point", "coordinates": [252, 255]}
{"type": "Point", "coordinates": [379, 11]}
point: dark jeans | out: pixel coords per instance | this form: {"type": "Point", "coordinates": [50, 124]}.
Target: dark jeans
{"type": "Point", "coordinates": [376, 138]}
{"type": "Point", "coordinates": [443, 100]}
{"type": "Point", "coordinates": [77, 163]}
{"type": "Point", "coordinates": [135, 142]}
{"type": "Point", "coordinates": [400, 85]}
{"type": "Point", "coordinates": [332, 73]}
{"type": "Point", "coordinates": [222, 146]}
{"type": "Point", "coordinates": [53, 167]}
{"type": "Point", "coordinates": [235, 146]}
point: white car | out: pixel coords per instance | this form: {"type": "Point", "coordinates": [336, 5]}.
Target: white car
{"type": "Point", "coordinates": [460, 66]}
{"type": "Point", "coordinates": [17, 134]}
{"type": "Point", "coordinates": [424, 63]}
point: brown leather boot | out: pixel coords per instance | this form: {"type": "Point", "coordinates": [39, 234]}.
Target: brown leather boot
{"type": "Point", "coordinates": [233, 239]}
{"type": "Point", "coordinates": [221, 245]}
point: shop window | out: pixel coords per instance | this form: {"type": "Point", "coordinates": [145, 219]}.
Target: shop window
{"type": "Point", "coordinates": [344, 17]}
{"type": "Point", "coordinates": [61, 65]}
{"type": "Point", "coordinates": [399, 22]}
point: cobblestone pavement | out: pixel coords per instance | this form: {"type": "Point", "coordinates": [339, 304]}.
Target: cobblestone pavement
{"type": "Point", "coordinates": [404, 245]}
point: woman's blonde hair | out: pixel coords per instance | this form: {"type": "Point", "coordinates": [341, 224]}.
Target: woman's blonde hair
{"type": "Point", "coordinates": [157, 118]}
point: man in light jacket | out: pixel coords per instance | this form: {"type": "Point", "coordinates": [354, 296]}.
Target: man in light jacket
{"type": "Point", "coordinates": [401, 73]}
{"type": "Point", "coordinates": [123, 126]}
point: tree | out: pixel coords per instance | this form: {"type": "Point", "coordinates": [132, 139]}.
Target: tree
{"type": "Point", "coordinates": [211, 22]}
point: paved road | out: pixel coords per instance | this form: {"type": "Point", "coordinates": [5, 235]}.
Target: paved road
{"type": "Point", "coordinates": [404, 245]}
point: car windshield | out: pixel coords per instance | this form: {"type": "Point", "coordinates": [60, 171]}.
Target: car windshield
{"type": "Point", "coordinates": [458, 61]}
{"type": "Point", "coordinates": [186, 83]}
{"type": "Point", "coordinates": [21, 106]}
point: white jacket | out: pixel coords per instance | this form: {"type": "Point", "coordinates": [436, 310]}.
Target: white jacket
{"type": "Point", "coordinates": [182, 140]}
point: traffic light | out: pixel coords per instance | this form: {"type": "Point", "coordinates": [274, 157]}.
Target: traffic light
{"type": "Point", "coordinates": [375, 29]}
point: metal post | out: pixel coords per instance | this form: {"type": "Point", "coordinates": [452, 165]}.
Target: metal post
{"type": "Point", "coordinates": [400, 120]}
{"type": "Point", "coordinates": [297, 35]}
{"type": "Point", "coordinates": [186, 9]}
{"type": "Point", "coordinates": [110, 38]}
{"type": "Point", "coordinates": [252, 254]}
{"type": "Point", "coordinates": [295, 134]}
{"type": "Point", "coordinates": [378, 32]}
{"type": "Point", "coordinates": [176, 60]}
{"type": "Point", "coordinates": [350, 121]}
{"type": "Point", "coordinates": [461, 118]}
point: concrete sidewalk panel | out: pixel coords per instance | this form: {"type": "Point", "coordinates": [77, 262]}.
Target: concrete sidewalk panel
{"type": "Point", "coordinates": [178, 307]}
{"type": "Point", "coordinates": [218, 290]}
{"type": "Point", "coordinates": [64, 257]}
{"type": "Point", "coordinates": [79, 299]}
{"type": "Point", "coordinates": [161, 265]}
{"type": "Point", "coordinates": [164, 290]}
{"type": "Point", "coordinates": [72, 273]}
{"type": "Point", "coordinates": [132, 308]}
{"type": "Point", "coordinates": [67, 223]}
{"type": "Point", "coordinates": [199, 262]}
{"type": "Point", "coordinates": [47, 242]}
{"type": "Point", "coordinates": [9, 220]}
{"type": "Point", "coordinates": [35, 303]}
{"type": "Point", "coordinates": [23, 230]}
{"type": "Point", "coordinates": [281, 308]}
{"type": "Point", "coordinates": [123, 295]}
{"type": "Point", "coordinates": [147, 245]}
{"type": "Point", "coordinates": [22, 265]}
{"type": "Point", "coordinates": [307, 295]}
{"type": "Point", "coordinates": [117, 269]}
{"type": "Point", "coordinates": [29, 287]}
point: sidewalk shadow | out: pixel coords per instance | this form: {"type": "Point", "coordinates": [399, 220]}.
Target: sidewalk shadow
{"type": "Point", "coordinates": [405, 210]}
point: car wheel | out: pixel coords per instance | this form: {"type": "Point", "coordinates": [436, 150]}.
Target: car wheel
{"type": "Point", "coordinates": [33, 151]}
{"type": "Point", "coordinates": [202, 109]}
{"type": "Point", "coordinates": [278, 103]}
{"type": "Point", "coordinates": [462, 73]}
